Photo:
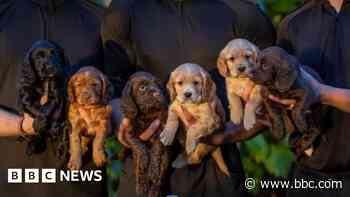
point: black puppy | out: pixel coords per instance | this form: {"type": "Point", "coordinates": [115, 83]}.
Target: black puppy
{"type": "Point", "coordinates": [281, 74]}
{"type": "Point", "coordinates": [41, 92]}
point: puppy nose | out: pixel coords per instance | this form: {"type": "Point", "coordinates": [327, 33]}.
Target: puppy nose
{"type": "Point", "coordinates": [188, 94]}
{"type": "Point", "coordinates": [241, 69]}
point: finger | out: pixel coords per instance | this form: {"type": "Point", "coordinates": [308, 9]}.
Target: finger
{"type": "Point", "coordinates": [124, 127]}
{"type": "Point", "coordinates": [149, 132]}
{"type": "Point", "coordinates": [287, 102]}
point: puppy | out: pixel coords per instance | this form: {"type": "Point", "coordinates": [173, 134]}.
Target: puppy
{"type": "Point", "coordinates": [194, 102]}
{"type": "Point", "coordinates": [89, 93]}
{"type": "Point", "coordinates": [142, 102]}
{"type": "Point", "coordinates": [280, 73]}
{"type": "Point", "coordinates": [235, 63]}
{"type": "Point", "coordinates": [40, 92]}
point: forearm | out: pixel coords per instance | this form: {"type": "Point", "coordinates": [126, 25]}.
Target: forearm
{"type": "Point", "coordinates": [336, 97]}
{"type": "Point", "coordinates": [232, 134]}
{"type": "Point", "coordinates": [14, 125]}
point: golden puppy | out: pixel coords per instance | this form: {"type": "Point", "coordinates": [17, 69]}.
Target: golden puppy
{"type": "Point", "coordinates": [89, 93]}
{"type": "Point", "coordinates": [194, 102]}
{"type": "Point", "coordinates": [235, 63]}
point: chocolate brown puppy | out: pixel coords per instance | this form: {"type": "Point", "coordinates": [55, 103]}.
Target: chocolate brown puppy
{"type": "Point", "coordinates": [143, 101]}
{"type": "Point", "coordinates": [281, 74]}
{"type": "Point", "coordinates": [90, 111]}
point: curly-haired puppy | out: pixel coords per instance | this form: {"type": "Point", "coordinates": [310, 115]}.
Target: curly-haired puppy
{"type": "Point", "coordinates": [280, 73]}
{"type": "Point", "coordinates": [235, 63]}
{"type": "Point", "coordinates": [142, 102]}
{"type": "Point", "coordinates": [40, 92]}
{"type": "Point", "coordinates": [195, 103]}
{"type": "Point", "coordinates": [89, 93]}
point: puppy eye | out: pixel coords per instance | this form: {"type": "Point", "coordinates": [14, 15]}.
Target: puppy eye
{"type": "Point", "coordinates": [179, 83]}
{"type": "Point", "coordinates": [264, 66]}
{"type": "Point", "coordinates": [196, 83]}
{"type": "Point", "coordinates": [142, 88]}
{"type": "Point", "coordinates": [231, 59]}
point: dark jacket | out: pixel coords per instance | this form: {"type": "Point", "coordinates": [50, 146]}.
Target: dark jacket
{"type": "Point", "coordinates": [319, 37]}
{"type": "Point", "coordinates": [157, 36]}
{"type": "Point", "coordinates": [74, 25]}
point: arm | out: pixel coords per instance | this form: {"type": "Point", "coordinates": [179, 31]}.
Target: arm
{"type": "Point", "coordinates": [11, 124]}
{"type": "Point", "coordinates": [232, 134]}
{"type": "Point", "coordinates": [336, 97]}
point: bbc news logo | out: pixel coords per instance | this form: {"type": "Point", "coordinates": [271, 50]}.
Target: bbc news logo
{"type": "Point", "coordinates": [49, 175]}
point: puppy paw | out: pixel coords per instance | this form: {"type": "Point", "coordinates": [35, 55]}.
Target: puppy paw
{"type": "Point", "coordinates": [179, 162]}
{"type": "Point", "coordinates": [194, 159]}
{"type": "Point", "coordinates": [236, 117]}
{"type": "Point", "coordinates": [167, 137]}
{"type": "Point", "coordinates": [99, 158]}
{"type": "Point", "coordinates": [74, 164]}
{"type": "Point", "coordinates": [249, 122]}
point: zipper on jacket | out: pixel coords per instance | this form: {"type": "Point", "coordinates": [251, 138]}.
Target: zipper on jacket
{"type": "Point", "coordinates": [179, 7]}
{"type": "Point", "coordinates": [46, 13]}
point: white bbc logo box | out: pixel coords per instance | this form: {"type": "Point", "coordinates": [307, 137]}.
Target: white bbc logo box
{"type": "Point", "coordinates": [31, 175]}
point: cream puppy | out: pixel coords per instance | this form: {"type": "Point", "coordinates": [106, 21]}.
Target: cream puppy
{"type": "Point", "coordinates": [194, 102]}
{"type": "Point", "coordinates": [235, 63]}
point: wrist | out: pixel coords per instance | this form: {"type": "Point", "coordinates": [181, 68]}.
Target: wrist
{"type": "Point", "coordinates": [324, 94]}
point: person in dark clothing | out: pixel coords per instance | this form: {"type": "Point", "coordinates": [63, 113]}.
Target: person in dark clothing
{"type": "Point", "coordinates": [318, 35]}
{"type": "Point", "coordinates": [75, 26]}
{"type": "Point", "coordinates": [158, 35]}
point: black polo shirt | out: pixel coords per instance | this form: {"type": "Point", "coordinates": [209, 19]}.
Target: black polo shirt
{"type": "Point", "coordinates": [74, 25]}
{"type": "Point", "coordinates": [320, 38]}
{"type": "Point", "coordinates": [157, 36]}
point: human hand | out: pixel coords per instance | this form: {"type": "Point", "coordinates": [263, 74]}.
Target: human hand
{"type": "Point", "coordinates": [316, 91]}
{"type": "Point", "coordinates": [234, 133]}
{"type": "Point", "coordinates": [27, 124]}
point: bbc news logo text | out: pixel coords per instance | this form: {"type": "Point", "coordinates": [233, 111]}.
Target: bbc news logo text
{"type": "Point", "coordinates": [50, 175]}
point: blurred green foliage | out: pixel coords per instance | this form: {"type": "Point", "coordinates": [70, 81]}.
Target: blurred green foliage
{"type": "Point", "coordinates": [261, 156]}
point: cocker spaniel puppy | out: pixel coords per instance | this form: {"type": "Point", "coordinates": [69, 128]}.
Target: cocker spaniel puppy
{"type": "Point", "coordinates": [235, 63]}
{"type": "Point", "coordinates": [143, 101]}
{"type": "Point", "coordinates": [281, 74]}
{"type": "Point", "coordinates": [195, 103]}
{"type": "Point", "coordinates": [89, 93]}
{"type": "Point", "coordinates": [41, 92]}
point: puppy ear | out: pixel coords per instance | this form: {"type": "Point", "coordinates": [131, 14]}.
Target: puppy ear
{"type": "Point", "coordinates": [286, 73]}
{"type": "Point", "coordinates": [70, 89]}
{"type": "Point", "coordinates": [209, 88]}
{"type": "Point", "coordinates": [171, 88]}
{"type": "Point", "coordinates": [222, 65]}
{"type": "Point", "coordinates": [107, 89]}
{"type": "Point", "coordinates": [127, 104]}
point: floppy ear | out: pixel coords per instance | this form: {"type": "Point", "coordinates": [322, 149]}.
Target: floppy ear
{"type": "Point", "coordinates": [107, 89]}
{"type": "Point", "coordinates": [209, 87]}
{"type": "Point", "coordinates": [70, 89]}
{"type": "Point", "coordinates": [127, 104]}
{"type": "Point", "coordinates": [286, 73]}
{"type": "Point", "coordinates": [171, 88]}
{"type": "Point", "coordinates": [222, 66]}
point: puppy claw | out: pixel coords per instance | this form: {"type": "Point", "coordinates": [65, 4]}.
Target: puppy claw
{"type": "Point", "coordinates": [74, 164]}
{"type": "Point", "coordinates": [167, 137]}
{"type": "Point", "coordinates": [249, 122]}
{"type": "Point", "coordinates": [100, 159]}
{"type": "Point", "coordinates": [236, 118]}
